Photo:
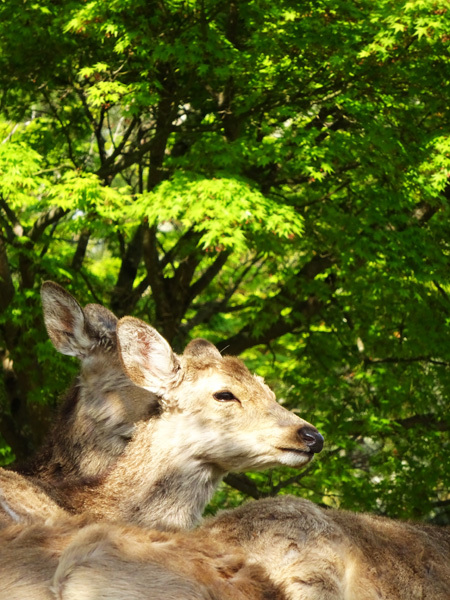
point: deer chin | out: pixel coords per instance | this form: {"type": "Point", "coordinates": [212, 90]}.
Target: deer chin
{"type": "Point", "coordinates": [294, 457]}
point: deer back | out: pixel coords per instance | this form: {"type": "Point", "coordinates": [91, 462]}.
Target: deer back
{"type": "Point", "coordinates": [318, 554]}
{"type": "Point", "coordinates": [72, 559]}
{"type": "Point", "coordinates": [123, 563]}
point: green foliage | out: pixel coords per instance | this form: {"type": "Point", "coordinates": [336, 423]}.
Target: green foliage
{"type": "Point", "coordinates": [244, 220]}
{"type": "Point", "coordinates": [272, 176]}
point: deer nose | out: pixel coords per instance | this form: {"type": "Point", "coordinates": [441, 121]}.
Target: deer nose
{"type": "Point", "coordinates": [311, 437]}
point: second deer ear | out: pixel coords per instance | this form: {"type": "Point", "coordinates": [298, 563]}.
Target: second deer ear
{"type": "Point", "coordinates": [147, 358]}
{"type": "Point", "coordinates": [200, 348]}
{"type": "Point", "coordinates": [101, 324]}
{"type": "Point", "coordinates": [64, 320]}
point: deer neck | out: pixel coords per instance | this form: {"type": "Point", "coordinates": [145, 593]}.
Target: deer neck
{"type": "Point", "coordinates": [160, 481]}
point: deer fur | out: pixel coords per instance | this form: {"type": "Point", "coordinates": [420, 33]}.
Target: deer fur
{"type": "Point", "coordinates": [74, 560]}
{"type": "Point", "coordinates": [208, 415]}
{"type": "Point", "coordinates": [23, 501]}
{"type": "Point", "coordinates": [100, 410]}
{"type": "Point", "coordinates": [282, 548]}
{"type": "Point", "coordinates": [170, 567]}
{"type": "Point", "coordinates": [311, 553]}
{"type": "Point", "coordinates": [306, 552]}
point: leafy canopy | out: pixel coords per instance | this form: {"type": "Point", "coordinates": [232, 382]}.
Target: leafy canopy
{"type": "Point", "coordinates": [272, 176]}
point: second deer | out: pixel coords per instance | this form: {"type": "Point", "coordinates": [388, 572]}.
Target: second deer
{"type": "Point", "coordinates": [282, 548]}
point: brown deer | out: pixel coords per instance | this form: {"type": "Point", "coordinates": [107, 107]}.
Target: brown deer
{"type": "Point", "coordinates": [308, 553]}
{"type": "Point", "coordinates": [213, 416]}
{"type": "Point", "coordinates": [74, 560]}
{"type": "Point", "coordinates": [22, 500]}
{"type": "Point", "coordinates": [311, 553]}
{"type": "Point", "coordinates": [102, 562]}
{"type": "Point", "coordinates": [100, 410]}
{"type": "Point", "coordinates": [97, 417]}
{"type": "Point", "coordinates": [282, 548]}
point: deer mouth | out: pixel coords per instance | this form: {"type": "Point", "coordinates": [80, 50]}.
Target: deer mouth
{"type": "Point", "coordinates": [307, 453]}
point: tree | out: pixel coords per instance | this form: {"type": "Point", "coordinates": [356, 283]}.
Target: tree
{"type": "Point", "coordinates": [271, 176]}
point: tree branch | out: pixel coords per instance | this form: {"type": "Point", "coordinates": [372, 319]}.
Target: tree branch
{"type": "Point", "coordinates": [246, 339]}
{"type": "Point", "coordinates": [156, 280]}
{"type": "Point", "coordinates": [64, 128]}
{"type": "Point", "coordinates": [402, 359]}
{"type": "Point", "coordinates": [26, 263]}
{"type": "Point", "coordinates": [289, 293]}
{"type": "Point", "coordinates": [16, 227]}
{"type": "Point", "coordinates": [81, 249]}
{"type": "Point", "coordinates": [243, 484]}
{"type": "Point", "coordinates": [429, 420]}
{"type": "Point", "coordinates": [118, 150]}
{"type": "Point", "coordinates": [6, 282]}
{"type": "Point", "coordinates": [123, 294]}
{"type": "Point", "coordinates": [206, 311]}
{"type": "Point", "coordinates": [52, 216]}
{"type": "Point", "coordinates": [109, 170]}
{"type": "Point", "coordinates": [96, 127]}
{"type": "Point", "coordinates": [211, 272]}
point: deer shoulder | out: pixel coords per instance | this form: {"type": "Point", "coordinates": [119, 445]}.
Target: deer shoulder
{"type": "Point", "coordinates": [313, 553]}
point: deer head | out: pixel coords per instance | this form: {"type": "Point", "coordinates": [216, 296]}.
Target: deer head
{"type": "Point", "coordinates": [99, 413]}
{"type": "Point", "coordinates": [230, 417]}
{"type": "Point", "coordinates": [215, 417]}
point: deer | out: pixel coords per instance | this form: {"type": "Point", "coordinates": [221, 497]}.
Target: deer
{"type": "Point", "coordinates": [308, 553]}
{"type": "Point", "coordinates": [169, 565]}
{"type": "Point", "coordinates": [96, 419]}
{"type": "Point", "coordinates": [101, 407]}
{"type": "Point", "coordinates": [215, 417]}
{"type": "Point", "coordinates": [208, 416]}
{"type": "Point", "coordinates": [313, 553]}
{"type": "Point", "coordinates": [22, 500]}
{"type": "Point", "coordinates": [74, 558]}
{"type": "Point", "coordinates": [282, 548]}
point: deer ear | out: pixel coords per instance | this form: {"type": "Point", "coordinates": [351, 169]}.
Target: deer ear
{"type": "Point", "coordinates": [64, 320]}
{"type": "Point", "coordinates": [101, 324]}
{"type": "Point", "coordinates": [201, 348]}
{"type": "Point", "coordinates": [147, 358]}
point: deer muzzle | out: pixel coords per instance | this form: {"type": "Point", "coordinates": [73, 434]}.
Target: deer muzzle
{"type": "Point", "coordinates": [309, 436]}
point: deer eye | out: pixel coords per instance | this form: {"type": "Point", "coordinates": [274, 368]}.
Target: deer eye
{"type": "Point", "coordinates": [225, 397]}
